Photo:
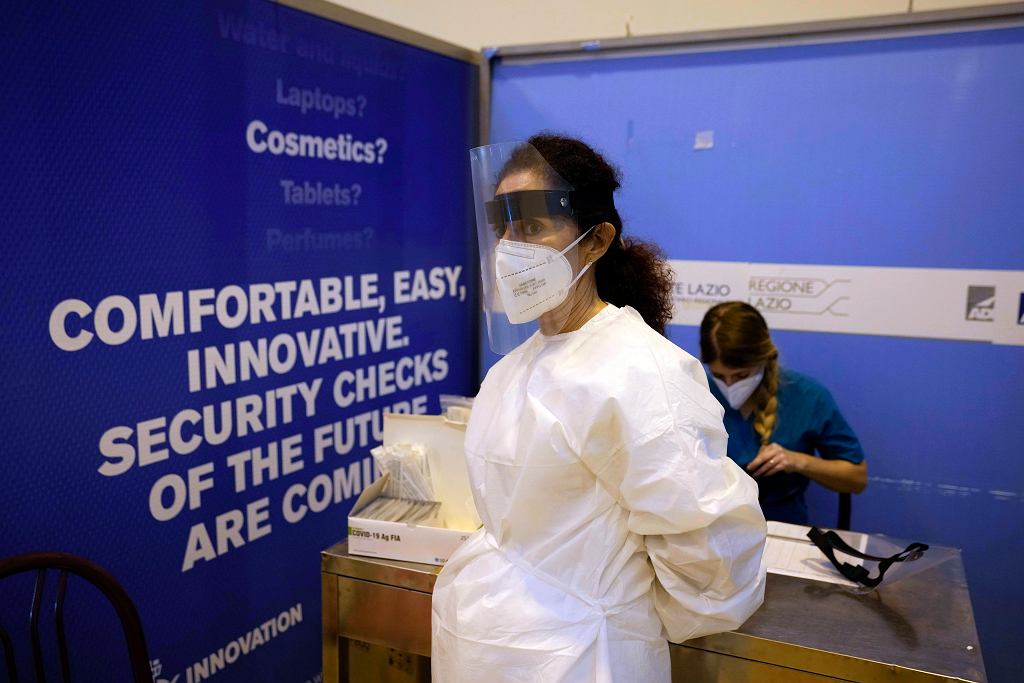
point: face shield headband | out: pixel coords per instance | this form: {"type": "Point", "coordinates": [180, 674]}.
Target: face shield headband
{"type": "Point", "coordinates": [526, 204]}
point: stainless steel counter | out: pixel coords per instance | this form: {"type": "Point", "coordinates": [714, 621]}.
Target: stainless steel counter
{"type": "Point", "coordinates": [919, 629]}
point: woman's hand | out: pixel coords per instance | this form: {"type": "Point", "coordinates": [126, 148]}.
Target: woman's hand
{"type": "Point", "coordinates": [773, 458]}
{"type": "Point", "coordinates": [838, 475]}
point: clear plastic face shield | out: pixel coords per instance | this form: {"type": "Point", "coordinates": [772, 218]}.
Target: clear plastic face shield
{"type": "Point", "coordinates": [529, 243]}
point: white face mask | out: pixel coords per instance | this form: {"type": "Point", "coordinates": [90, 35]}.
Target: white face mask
{"type": "Point", "coordinates": [738, 393]}
{"type": "Point", "coordinates": [533, 278]}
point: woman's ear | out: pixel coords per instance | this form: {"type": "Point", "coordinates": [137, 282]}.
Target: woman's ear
{"type": "Point", "coordinates": [597, 243]}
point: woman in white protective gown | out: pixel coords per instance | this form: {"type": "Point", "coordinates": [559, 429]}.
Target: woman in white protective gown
{"type": "Point", "coordinates": [612, 518]}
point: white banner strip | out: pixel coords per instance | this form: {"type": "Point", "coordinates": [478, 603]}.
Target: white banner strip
{"type": "Point", "coordinates": [934, 303]}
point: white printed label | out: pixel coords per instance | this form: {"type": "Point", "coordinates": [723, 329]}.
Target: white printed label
{"type": "Point", "coordinates": [934, 303]}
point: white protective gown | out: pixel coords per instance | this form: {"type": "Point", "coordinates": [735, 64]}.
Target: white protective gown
{"type": "Point", "coordinates": [612, 517]}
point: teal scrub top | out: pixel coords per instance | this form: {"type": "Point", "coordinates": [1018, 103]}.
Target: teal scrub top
{"type": "Point", "coordinates": [809, 422]}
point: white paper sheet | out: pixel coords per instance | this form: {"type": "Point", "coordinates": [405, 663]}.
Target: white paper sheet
{"type": "Point", "coordinates": [789, 552]}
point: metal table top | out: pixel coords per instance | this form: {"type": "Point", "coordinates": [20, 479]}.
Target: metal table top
{"type": "Point", "coordinates": [921, 628]}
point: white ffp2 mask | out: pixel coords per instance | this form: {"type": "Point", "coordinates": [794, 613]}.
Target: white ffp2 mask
{"type": "Point", "coordinates": [533, 278]}
{"type": "Point", "coordinates": [738, 392]}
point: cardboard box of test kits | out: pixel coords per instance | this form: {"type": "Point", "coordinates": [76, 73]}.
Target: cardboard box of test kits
{"type": "Point", "coordinates": [446, 458]}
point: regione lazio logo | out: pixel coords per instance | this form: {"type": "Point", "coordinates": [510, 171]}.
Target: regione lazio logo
{"type": "Point", "coordinates": [981, 303]}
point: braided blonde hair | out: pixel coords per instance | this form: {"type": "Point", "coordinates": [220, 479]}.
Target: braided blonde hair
{"type": "Point", "coordinates": [735, 334]}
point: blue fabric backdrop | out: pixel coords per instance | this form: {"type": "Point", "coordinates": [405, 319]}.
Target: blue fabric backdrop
{"type": "Point", "coordinates": [132, 166]}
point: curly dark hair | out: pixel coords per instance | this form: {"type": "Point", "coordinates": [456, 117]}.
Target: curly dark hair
{"type": "Point", "coordinates": [632, 272]}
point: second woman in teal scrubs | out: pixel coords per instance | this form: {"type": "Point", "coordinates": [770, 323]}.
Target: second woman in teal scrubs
{"type": "Point", "coordinates": [784, 427]}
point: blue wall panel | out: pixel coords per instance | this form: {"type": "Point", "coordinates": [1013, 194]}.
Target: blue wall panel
{"type": "Point", "coordinates": [903, 152]}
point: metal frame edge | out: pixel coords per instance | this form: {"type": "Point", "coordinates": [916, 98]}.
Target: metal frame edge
{"type": "Point", "coordinates": [829, 29]}
{"type": "Point", "coordinates": [364, 22]}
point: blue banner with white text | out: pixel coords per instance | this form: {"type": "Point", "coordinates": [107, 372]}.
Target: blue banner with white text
{"type": "Point", "coordinates": [235, 235]}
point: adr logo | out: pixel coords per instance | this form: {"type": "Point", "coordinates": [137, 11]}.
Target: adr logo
{"type": "Point", "coordinates": [981, 303]}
